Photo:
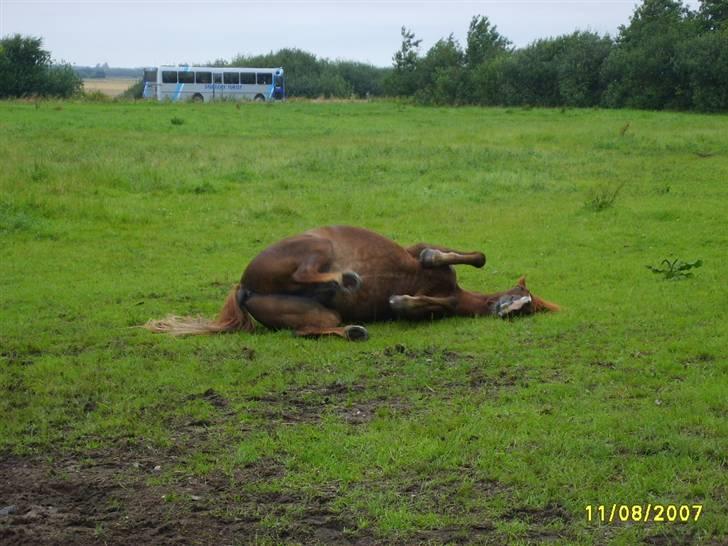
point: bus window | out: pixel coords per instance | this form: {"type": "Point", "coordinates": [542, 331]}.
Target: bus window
{"type": "Point", "coordinates": [247, 78]}
{"type": "Point", "coordinates": [265, 78]}
{"type": "Point", "coordinates": [169, 77]}
{"type": "Point", "coordinates": [231, 77]}
{"type": "Point", "coordinates": [150, 76]}
{"type": "Point", "coordinates": [203, 77]}
{"type": "Point", "coordinates": [186, 77]}
{"type": "Point", "coordinates": [218, 77]}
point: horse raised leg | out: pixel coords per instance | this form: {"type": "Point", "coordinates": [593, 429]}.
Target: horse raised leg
{"type": "Point", "coordinates": [298, 264]}
{"type": "Point", "coordinates": [305, 316]}
{"type": "Point", "coordinates": [438, 256]}
{"type": "Point", "coordinates": [309, 272]}
{"type": "Point", "coordinates": [418, 307]}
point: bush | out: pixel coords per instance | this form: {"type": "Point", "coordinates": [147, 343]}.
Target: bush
{"type": "Point", "coordinates": [26, 70]}
{"type": "Point", "coordinates": [579, 62]}
{"type": "Point", "coordinates": [703, 64]}
{"type": "Point", "coordinates": [134, 91]}
{"type": "Point", "coordinates": [440, 73]}
{"type": "Point", "coordinates": [96, 96]}
{"type": "Point", "coordinates": [640, 70]}
{"type": "Point", "coordinates": [309, 76]}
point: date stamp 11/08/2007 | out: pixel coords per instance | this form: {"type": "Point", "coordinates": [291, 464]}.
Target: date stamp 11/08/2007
{"type": "Point", "coordinates": [643, 513]}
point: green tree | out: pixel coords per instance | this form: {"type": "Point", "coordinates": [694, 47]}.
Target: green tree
{"type": "Point", "coordinates": [440, 73]}
{"type": "Point", "coordinates": [484, 42]}
{"type": "Point", "coordinates": [302, 69]}
{"type": "Point", "coordinates": [23, 66]}
{"type": "Point", "coordinates": [62, 81]}
{"type": "Point", "coordinates": [365, 80]}
{"type": "Point", "coordinates": [579, 63]}
{"type": "Point", "coordinates": [527, 76]}
{"type": "Point", "coordinates": [402, 81]}
{"type": "Point", "coordinates": [703, 63]}
{"type": "Point", "coordinates": [713, 14]}
{"type": "Point", "coordinates": [483, 45]}
{"type": "Point", "coordinates": [26, 69]}
{"type": "Point", "coordinates": [640, 71]}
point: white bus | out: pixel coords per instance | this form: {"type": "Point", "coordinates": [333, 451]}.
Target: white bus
{"type": "Point", "coordinates": [208, 83]}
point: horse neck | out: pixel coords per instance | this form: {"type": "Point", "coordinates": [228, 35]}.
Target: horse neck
{"type": "Point", "coordinates": [475, 303]}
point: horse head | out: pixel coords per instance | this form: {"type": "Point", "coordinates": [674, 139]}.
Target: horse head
{"type": "Point", "coordinates": [520, 301]}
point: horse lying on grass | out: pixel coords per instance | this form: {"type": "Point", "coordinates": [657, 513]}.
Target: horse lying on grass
{"type": "Point", "coordinates": [323, 281]}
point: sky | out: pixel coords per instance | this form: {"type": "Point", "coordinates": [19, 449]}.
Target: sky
{"type": "Point", "coordinates": [134, 33]}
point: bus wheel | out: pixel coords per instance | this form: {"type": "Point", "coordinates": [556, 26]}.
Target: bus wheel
{"type": "Point", "coordinates": [259, 98]}
{"type": "Point", "coordinates": [198, 98]}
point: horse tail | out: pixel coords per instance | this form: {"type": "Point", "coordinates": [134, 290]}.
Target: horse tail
{"type": "Point", "coordinates": [232, 318]}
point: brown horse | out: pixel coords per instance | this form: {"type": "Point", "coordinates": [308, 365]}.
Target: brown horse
{"type": "Point", "coordinates": [320, 282]}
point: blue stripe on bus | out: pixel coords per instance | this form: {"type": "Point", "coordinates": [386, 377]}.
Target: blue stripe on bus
{"type": "Point", "coordinates": [180, 86]}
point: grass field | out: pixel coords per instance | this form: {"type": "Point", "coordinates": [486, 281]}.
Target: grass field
{"type": "Point", "coordinates": [459, 431]}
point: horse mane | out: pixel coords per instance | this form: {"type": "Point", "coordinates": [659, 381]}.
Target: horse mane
{"type": "Point", "coordinates": [232, 318]}
{"type": "Point", "coordinates": [543, 305]}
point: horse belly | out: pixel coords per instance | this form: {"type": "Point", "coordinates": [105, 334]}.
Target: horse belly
{"type": "Point", "coordinates": [384, 266]}
{"type": "Point", "coordinates": [371, 301]}
{"type": "Point", "coordinates": [362, 307]}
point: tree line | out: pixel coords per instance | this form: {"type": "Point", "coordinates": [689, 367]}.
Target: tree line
{"type": "Point", "coordinates": [311, 76]}
{"type": "Point", "coordinates": [667, 57]}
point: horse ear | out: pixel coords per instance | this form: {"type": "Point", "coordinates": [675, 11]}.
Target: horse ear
{"type": "Point", "coordinates": [522, 281]}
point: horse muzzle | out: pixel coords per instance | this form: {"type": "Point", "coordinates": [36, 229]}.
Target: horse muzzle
{"type": "Point", "coordinates": [509, 305]}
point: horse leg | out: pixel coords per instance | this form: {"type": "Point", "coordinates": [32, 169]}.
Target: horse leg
{"type": "Point", "coordinates": [309, 272]}
{"type": "Point", "coordinates": [304, 316]}
{"type": "Point", "coordinates": [438, 256]}
{"type": "Point", "coordinates": [419, 307]}
{"type": "Point", "coordinates": [296, 265]}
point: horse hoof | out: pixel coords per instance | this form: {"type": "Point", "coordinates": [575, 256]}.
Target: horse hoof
{"type": "Point", "coordinates": [428, 257]}
{"type": "Point", "coordinates": [356, 333]}
{"type": "Point", "coordinates": [399, 303]}
{"type": "Point", "coordinates": [350, 281]}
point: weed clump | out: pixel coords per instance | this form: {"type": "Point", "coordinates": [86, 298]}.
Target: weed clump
{"type": "Point", "coordinates": [602, 197]}
{"type": "Point", "coordinates": [675, 270]}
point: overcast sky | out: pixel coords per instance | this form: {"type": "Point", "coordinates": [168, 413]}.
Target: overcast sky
{"type": "Point", "coordinates": [149, 33]}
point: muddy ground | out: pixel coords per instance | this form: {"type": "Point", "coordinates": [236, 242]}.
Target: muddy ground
{"type": "Point", "coordinates": [131, 493]}
{"type": "Point", "coordinates": [106, 498]}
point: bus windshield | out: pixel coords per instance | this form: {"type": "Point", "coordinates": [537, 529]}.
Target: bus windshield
{"type": "Point", "coordinates": [150, 75]}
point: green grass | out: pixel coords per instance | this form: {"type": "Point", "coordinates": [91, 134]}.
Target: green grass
{"type": "Point", "coordinates": [111, 214]}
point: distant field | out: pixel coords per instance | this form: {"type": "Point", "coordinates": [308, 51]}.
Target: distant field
{"type": "Point", "coordinates": [460, 431]}
{"type": "Point", "coordinates": [109, 86]}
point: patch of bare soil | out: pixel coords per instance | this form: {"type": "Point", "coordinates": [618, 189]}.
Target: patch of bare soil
{"type": "Point", "coordinates": [455, 534]}
{"type": "Point", "coordinates": [545, 524]}
{"type": "Point", "coordinates": [308, 404]}
{"type": "Point", "coordinates": [134, 494]}
{"type": "Point", "coordinates": [426, 353]}
{"type": "Point", "coordinates": [109, 498]}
